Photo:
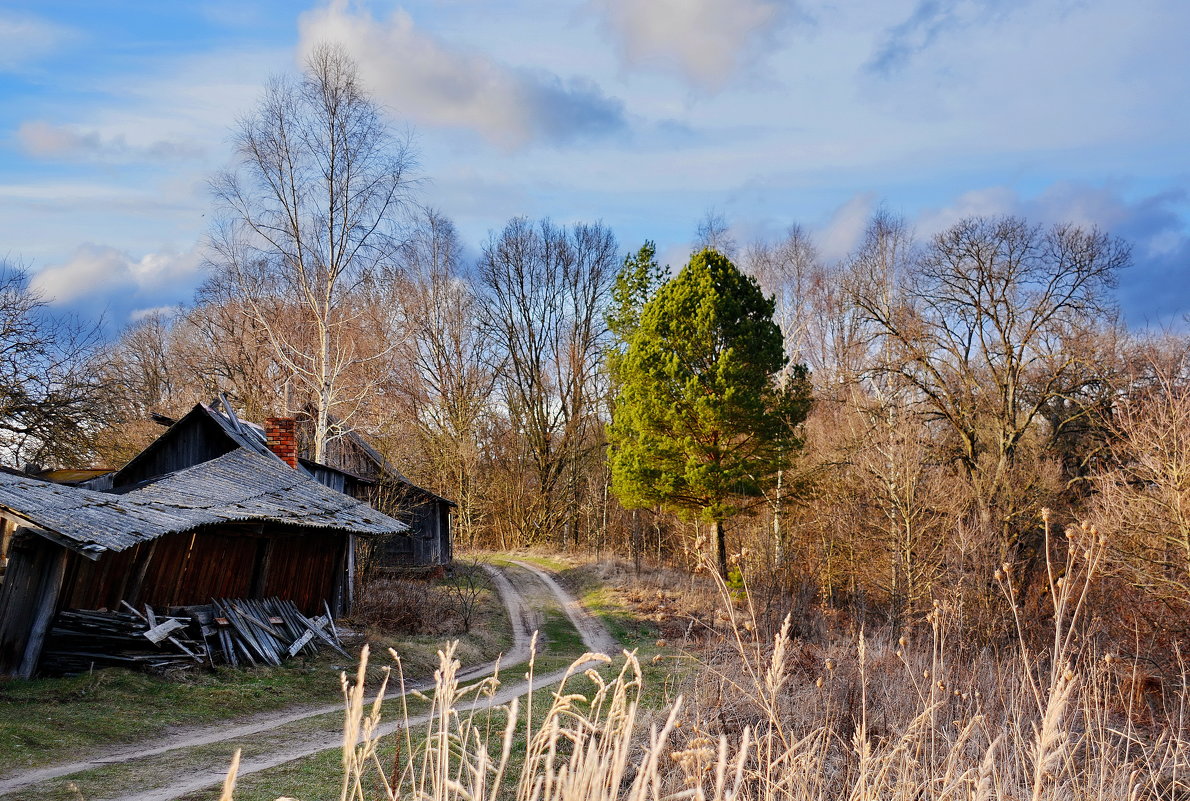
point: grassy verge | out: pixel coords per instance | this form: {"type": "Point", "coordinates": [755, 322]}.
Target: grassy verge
{"type": "Point", "coordinates": [44, 721]}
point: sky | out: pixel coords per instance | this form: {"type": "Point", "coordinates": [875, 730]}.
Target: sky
{"type": "Point", "coordinates": [642, 114]}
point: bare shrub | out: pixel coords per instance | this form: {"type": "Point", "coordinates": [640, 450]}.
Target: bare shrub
{"type": "Point", "coordinates": [408, 607]}
{"type": "Point", "coordinates": [465, 590]}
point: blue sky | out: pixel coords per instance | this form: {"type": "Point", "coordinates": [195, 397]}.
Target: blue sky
{"type": "Point", "coordinates": [641, 114]}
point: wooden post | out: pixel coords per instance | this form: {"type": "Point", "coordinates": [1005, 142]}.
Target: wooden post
{"type": "Point", "coordinates": [46, 607]}
{"type": "Point", "coordinates": [144, 557]}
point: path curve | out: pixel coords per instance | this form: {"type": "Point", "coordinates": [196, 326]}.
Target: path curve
{"type": "Point", "coordinates": [523, 621]}
{"type": "Point", "coordinates": [595, 635]}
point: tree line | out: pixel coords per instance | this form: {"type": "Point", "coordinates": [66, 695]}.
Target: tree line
{"type": "Point", "coordinates": [902, 422]}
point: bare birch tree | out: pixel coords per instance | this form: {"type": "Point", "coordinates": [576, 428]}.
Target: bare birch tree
{"type": "Point", "coordinates": [309, 214]}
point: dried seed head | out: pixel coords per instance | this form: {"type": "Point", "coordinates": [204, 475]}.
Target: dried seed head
{"type": "Point", "coordinates": [830, 664]}
{"type": "Point", "coordinates": [818, 683]}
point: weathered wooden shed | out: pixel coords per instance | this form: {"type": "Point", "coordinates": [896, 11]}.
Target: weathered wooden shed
{"type": "Point", "coordinates": [350, 465]}
{"type": "Point", "coordinates": [241, 524]}
{"type": "Point", "coordinates": [353, 466]}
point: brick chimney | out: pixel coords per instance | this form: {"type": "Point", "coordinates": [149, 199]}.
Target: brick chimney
{"type": "Point", "coordinates": [281, 433]}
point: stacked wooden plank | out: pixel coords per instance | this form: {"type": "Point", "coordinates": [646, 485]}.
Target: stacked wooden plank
{"type": "Point", "coordinates": [237, 632]}
{"type": "Point", "coordinates": [81, 640]}
{"type": "Point", "coordinates": [266, 631]}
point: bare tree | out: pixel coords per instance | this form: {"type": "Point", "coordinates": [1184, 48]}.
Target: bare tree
{"type": "Point", "coordinates": [447, 380]}
{"type": "Point", "coordinates": [788, 271]}
{"type": "Point", "coordinates": [545, 294]}
{"type": "Point", "coordinates": [53, 400]}
{"type": "Point", "coordinates": [1142, 505]}
{"type": "Point", "coordinates": [714, 233]}
{"type": "Point", "coordinates": [308, 216]}
{"type": "Point", "coordinates": [223, 347]}
{"type": "Point", "coordinates": [985, 328]}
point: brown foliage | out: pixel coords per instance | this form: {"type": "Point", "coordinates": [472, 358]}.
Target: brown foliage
{"type": "Point", "coordinates": [407, 607]}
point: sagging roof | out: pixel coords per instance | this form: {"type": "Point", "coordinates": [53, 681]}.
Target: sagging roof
{"type": "Point", "coordinates": [239, 487]}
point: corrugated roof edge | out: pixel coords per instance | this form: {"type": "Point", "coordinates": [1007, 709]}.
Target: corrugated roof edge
{"type": "Point", "coordinates": [91, 522]}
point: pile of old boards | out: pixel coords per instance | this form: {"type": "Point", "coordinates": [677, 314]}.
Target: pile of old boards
{"type": "Point", "coordinates": [237, 632]}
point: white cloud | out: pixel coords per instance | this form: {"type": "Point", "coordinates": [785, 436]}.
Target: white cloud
{"type": "Point", "coordinates": [164, 311]}
{"type": "Point", "coordinates": [44, 140]}
{"type": "Point", "coordinates": [99, 275]}
{"type": "Point", "coordinates": [846, 226]}
{"type": "Point", "coordinates": [435, 84]}
{"type": "Point", "coordinates": [25, 38]}
{"type": "Point", "coordinates": [708, 42]}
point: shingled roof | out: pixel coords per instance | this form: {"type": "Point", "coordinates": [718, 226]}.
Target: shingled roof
{"type": "Point", "coordinates": [239, 487]}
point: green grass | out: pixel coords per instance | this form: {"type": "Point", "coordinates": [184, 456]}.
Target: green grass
{"type": "Point", "coordinates": [46, 721]}
{"type": "Point", "coordinates": [540, 560]}
{"type": "Point", "coordinates": [43, 719]}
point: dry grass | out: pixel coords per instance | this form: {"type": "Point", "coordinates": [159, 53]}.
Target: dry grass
{"type": "Point", "coordinates": [409, 607]}
{"type": "Point", "coordinates": [866, 717]}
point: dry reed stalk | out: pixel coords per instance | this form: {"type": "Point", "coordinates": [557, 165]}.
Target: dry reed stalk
{"type": "Point", "coordinates": [229, 782]}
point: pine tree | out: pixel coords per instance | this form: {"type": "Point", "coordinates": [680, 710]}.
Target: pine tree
{"type": "Point", "coordinates": [637, 282]}
{"type": "Point", "coordinates": [701, 424]}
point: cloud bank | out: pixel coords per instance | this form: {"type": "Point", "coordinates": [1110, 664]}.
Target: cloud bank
{"type": "Point", "coordinates": [45, 140]}
{"type": "Point", "coordinates": [99, 279]}
{"type": "Point", "coordinates": [434, 84]}
{"type": "Point", "coordinates": [25, 38]}
{"type": "Point", "coordinates": [706, 42]}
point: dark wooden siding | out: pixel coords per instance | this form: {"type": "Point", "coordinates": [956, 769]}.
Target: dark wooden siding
{"type": "Point", "coordinates": [229, 562]}
{"type": "Point", "coordinates": [27, 602]}
{"type": "Point", "coordinates": [428, 542]}
{"type": "Point", "coordinates": [306, 569]}
{"type": "Point", "coordinates": [193, 440]}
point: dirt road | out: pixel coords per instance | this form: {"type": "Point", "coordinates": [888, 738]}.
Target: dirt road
{"type": "Point", "coordinates": [293, 740]}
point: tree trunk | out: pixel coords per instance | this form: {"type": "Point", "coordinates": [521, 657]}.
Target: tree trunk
{"type": "Point", "coordinates": [720, 548]}
{"type": "Point", "coordinates": [778, 535]}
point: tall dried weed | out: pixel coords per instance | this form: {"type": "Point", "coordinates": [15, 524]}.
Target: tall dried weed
{"type": "Point", "coordinates": [911, 719]}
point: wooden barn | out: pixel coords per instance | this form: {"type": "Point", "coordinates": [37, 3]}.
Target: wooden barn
{"type": "Point", "coordinates": [242, 524]}
{"type": "Point", "coordinates": [350, 466]}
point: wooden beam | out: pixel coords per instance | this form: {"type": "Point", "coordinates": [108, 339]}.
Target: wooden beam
{"type": "Point", "coordinates": [45, 603]}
